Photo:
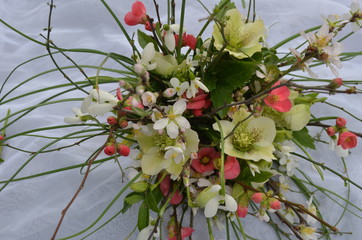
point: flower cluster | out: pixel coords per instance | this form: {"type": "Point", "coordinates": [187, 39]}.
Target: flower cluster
{"type": "Point", "coordinates": [213, 120]}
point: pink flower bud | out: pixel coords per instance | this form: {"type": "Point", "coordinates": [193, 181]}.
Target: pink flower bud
{"type": "Point", "coordinates": [123, 123]}
{"type": "Point", "coordinates": [121, 83]}
{"type": "Point", "coordinates": [335, 83]}
{"type": "Point", "coordinates": [242, 211]}
{"type": "Point", "coordinates": [341, 122]}
{"type": "Point", "coordinates": [347, 140]}
{"type": "Point", "coordinates": [176, 198]}
{"type": "Point", "coordinates": [331, 131]}
{"type": "Point", "coordinates": [275, 204]}
{"type": "Point", "coordinates": [258, 197]}
{"type": "Point", "coordinates": [110, 149]}
{"type": "Point", "coordinates": [112, 120]}
{"type": "Point", "coordinates": [123, 150]}
{"type": "Point", "coordinates": [1, 137]}
{"type": "Point", "coordinates": [169, 92]}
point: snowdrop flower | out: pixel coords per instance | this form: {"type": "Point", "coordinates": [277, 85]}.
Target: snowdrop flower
{"type": "Point", "coordinates": [78, 118]}
{"type": "Point", "coordinates": [194, 86]}
{"type": "Point", "coordinates": [304, 65]}
{"type": "Point", "coordinates": [337, 148]}
{"type": "Point", "coordinates": [211, 199]}
{"type": "Point", "coordinates": [99, 102]}
{"type": "Point", "coordinates": [169, 37]}
{"type": "Point", "coordinates": [174, 120]}
{"type": "Point", "coordinates": [147, 57]}
{"type": "Point", "coordinates": [177, 87]}
{"type": "Point", "coordinates": [311, 208]}
{"type": "Point", "coordinates": [332, 57]}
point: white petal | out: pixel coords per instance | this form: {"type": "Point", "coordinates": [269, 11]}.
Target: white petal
{"type": "Point", "coordinates": [72, 120]}
{"type": "Point", "coordinates": [143, 235]}
{"type": "Point", "coordinates": [77, 111]}
{"type": "Point", "coordinates": [148, 53]}
{"type": "Point", "coordinates": [211, 207]}
{"type": "Point", "coordinates": [179, 107]}
{"type": "Point", "coordinates": [183, 87]}
{"type": "Point", "coordinates": [100, 108]}
{"type": "Point", "coordinates": [182, 122]}
{"type": "Point", "coordinates": [230, 203]}
{"type": "Point", "coordinates": [160, 124]}
{"type": "Point", "coordinates": [87, 102]}
{"type": "Point", "coordinates": [170, 41]}
{"type": "Point", "coordinates": [172, 130]}
{"type": "Point", "coordinates": [175, 82]}
{"type": "Point", "coordinates": [201, 85]}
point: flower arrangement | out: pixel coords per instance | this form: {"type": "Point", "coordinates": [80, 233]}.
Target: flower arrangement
{"type": "Point", "coordinates": [216, 124]}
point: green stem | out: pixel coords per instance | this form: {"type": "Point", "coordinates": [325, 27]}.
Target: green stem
{"type": "Point", "coordinates": [222, 146]}
{"type": "Point", "coordinates": [209, 227]}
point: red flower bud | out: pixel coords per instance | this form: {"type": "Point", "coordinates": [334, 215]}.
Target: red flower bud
{"type": "Point", "coordinates": [341, 122]}
{"type": "Point", "coordinates": [258, 197]}
{"type": "Point", "coordinates": [112, 120]}
{"type": "Point", "coordinates": [242, 211]}
{"type": "Point", "coordinates": [1, 137]}
{"type": "Point", "coordinates": [123, 150]}
{"type": "Point", "coordinates": [275, 204]}
{"type": "Point", "coordinates": [336, 83]}
{"type": "Point", "coordinates": [123, 123]}
{"type": "Point", "coordinates": [110, 149]}
{"type": "Point", "coordinates": [331, 131]}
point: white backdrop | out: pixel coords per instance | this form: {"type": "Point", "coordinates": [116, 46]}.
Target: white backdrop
{"type": "Point", "coordinates": [31, 209]}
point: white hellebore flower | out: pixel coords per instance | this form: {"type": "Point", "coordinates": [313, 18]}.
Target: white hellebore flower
{"type": "Point", "coordinates": [194, 88]}
{"type": "Point", "coordinates": [174, 120]}
{"type": "Point", "coordinates": [148, 98]}
{"type": "Point", "coordinates": [333, 60]}
{"type": "Point", "coordinates": [75, 119]}
{"type": "Point", "coordinates": [147, 57]}
{"type": "Point", "coordinates": [99, 102]}
{"type": "Point", "coordinates": [176, 88]}
{"type": "Point", "coordinates": [214, 203]}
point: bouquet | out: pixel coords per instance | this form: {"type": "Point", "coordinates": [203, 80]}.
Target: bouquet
{"type": "Point", "coordinates": [214, 125]}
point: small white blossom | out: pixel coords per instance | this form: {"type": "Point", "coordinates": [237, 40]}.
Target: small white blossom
{"type": "Point", "coordinates": [214, 203]}
{"type": "Point", "coordinates": [174, 120]}
{"type": "Point", "coordinates": [147, 57]}
{"type": "Point", "coordinates": [177, 87]}
{"type": "Point", "coordinates": [75, 119]}
{"type": "Point", "coordinates": [304, 65]}
{"type": "Point", "coordinates": [99, 102]}
{"type": "Point", "coordinates": [355, 10]}
{"type": "Point", "coordinates": [148, 98]}
{"type": "Point", "coordinates": [333, 60]}
{"type": "Point", "coordinates": [311, 208]}
{"type": "Point", "coordinates": [194, 88]}
{"type": "Point", "coordinates": [319, 39]}
{"type": "Point", "coordinates": [174, 153]}
{"type": "Point", "coordinates": [337, 148]}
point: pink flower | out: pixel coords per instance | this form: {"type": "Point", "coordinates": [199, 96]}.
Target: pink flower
{"type": "Point", "coordinates": [198, 103]}
{"type": "Point", "coordinates": [185, 232]}
{"type": "Point", "coordinates": [275, 204]}
{"type": "Point", "coordinates": [258, 197]}
{"type": "Point", "coordinates": [137, 15]}
{"type": "Point", "coordinates": [187, 40]}
{"type": "Point", "coordinates": [205, 160]}
{"type": "Point", "coordinates": [242, 211]}
{"type": "Point", "coordinates": [165, 186]}
{"type": "Point", "coordinates": [278, 98]}
{"type": "Point", "coordinates": [231, 168]}
{"type": "Point", "coordinates": [341, 122]}
{"type": "Point", "coordinates": [347, 140]}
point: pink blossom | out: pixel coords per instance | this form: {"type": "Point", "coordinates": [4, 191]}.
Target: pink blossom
{"type": "Point", "coordinates": [198, 103]}
{"type": "Point", "coordinates": [165, 186]}
{"type": "Point", "coordinates": [187, 40]}
{"type": "Point", "coordinates": [242, 211]}
{"type": "Point", "coordinates": [137, 15]}
{"type": "Point", "coordinates": [231, 168]}
{"type": "Point", "coordinates": [205, 160]}
{"type": "Point", "coordinates": [278, 98]}
{"type": "Point", "coordinates": [347, 140]}
{"type": "Point", "coordinates": [341, 122]}
{"type": "Point", "coordinates": [275, 204]}
{"type": "Point", "coordinates": [185, 232]}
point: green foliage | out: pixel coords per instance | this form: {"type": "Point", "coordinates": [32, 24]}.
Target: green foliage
{"type": "Point", "coordinates": [144, 39]}
{"type": "Point", "coordinates": [304, 138]}
{"type": "Point", "coordinates": [223, 78]}
{"type": "Point", "coordinates": [131, 199]}
{"type": "Point", "coordinates": [143, 216]}
{"type": "Point", "coordinates": [222, 8]}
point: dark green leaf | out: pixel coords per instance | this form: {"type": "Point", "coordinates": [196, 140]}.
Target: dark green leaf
{"type": "Point", "coordinates": [127, 201]}
{"type": "Point", "coordinates": [261, 177]}
{"type": "Point", "coordinates": [135, 198]}
{"type": "Point", "coordinates": [304, 138]}
{"type": "Point", "coordinates": [144, 39]}
{"type": "Point", "coordinates": [152, 202]}
{"type": "Point", "coordinates": [143, 216]}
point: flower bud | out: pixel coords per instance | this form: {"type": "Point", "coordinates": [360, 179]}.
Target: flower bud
{"type": "Point", "coordinates": [274, 204]}
{"type": "Point", "coordinates": [112, 120]}
{"type": "Point", "coordinates": [335, 83]}
{"type": "Point", "coordinates": [169, 92]}
{"type": "Point", "coordinates": [123, 150]}
{"type": "Point", "coordinates": [331, 131]}
{"type": "Point", "coordinates": [140, 89]}
{"type": "Point", "coordinates": [258, 197]}
{"type": "Point", "coordinates": [242, 211]}
{"type": "Point", "coordinates": [139, 186]}
{"type": "Point", "coordinates": [341, 122]}
{"type": "Point", "coordinates": [1, 137]}
{"type": "Point", "coordinates": [110, 149]}
{"type": "Point", "coordinates": [123, 123]}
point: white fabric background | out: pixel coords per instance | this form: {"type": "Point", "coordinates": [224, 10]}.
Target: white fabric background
{"type": "Point", "coordinates": [31, 209]}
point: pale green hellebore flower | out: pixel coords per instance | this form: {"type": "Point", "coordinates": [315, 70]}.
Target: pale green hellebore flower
{"type": "Point", "coordinates": [298, 117]}
{"type": "Point", "coordinates": [242, 38]}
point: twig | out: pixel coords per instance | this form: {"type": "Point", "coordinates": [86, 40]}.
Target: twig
{"type": "Point", "coordinates": [319, 124]}
{"type": "Point", "coordinates": [296, 233]}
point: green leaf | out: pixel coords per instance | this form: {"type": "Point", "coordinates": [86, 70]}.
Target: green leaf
{"type": "Point", "coordinates": [143, 216]}
{"type": "Point", "coordinates": [261, 177]}
{"type": "Point", "coordinates": [152, 202]}
{"type": "Point", "coordinates": [222, 8]}
{"type": "Point", "coordinates": [134, 198]}
{"type": "Point", "coordinates": [144, 39]}
{"type": "Point", "coordinates": [304, 138]}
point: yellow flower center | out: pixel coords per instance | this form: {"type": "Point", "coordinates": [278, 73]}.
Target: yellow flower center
{"type": "Point", "coordinates": [163, 140]}
{"type": "Point", "coordinates": [205, 160]}
{"type": "Point", "coordinates": [244, 139]}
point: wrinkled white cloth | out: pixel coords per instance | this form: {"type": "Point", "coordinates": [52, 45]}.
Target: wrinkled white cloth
{"type": "Point", "coordinates": [31, 209]}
